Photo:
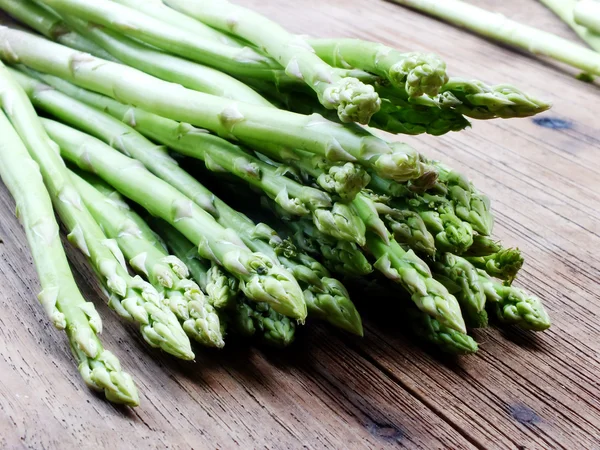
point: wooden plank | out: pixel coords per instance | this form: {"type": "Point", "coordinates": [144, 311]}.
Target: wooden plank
{"type": "Point", "coordinates": [334, 391]}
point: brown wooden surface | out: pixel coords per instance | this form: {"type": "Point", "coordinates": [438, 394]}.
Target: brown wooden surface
{"type": "Point", "coordinates": [331, 391]}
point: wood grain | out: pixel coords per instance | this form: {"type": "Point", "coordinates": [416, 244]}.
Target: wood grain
{"type": "Point", "coordinates": [332, 391]}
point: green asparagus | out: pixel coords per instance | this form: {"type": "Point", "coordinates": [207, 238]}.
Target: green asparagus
{"type": "Point", "coordinates": [353, 100]}
{"type": "Point", "coordinates": [565, 10]}
{"type": "Point", "coordinates": [446, 339]}
{"type": "Point", "coordinates": [131, 298]}
{"type": "Point", "coordinates": [235, 61]}
{"type": "Point", "coordinates": [415, 73]}
{"type": "Point", "coordinates": [336, 219]}
{"type": "Point", "coordinates": [60, 297]}
{"type": "Point", "coordinates": [513, 305]}
{"type": "Point", "coordinates": [504, 264]}
{"type": "Point", "coordinates": [222, 290]}
{"type": "Point", "coordinates": [166, 272]}
{"type": "Point", "coordinates": [260, 279]}
{"type": "Point", "coordinates": [587, 14]}
{"type": "Point", "coordinates": [461, 278]}
{"type": "Point", "coordinates": [405, 268]}
{"type": "Point", "coordinates": [227, 118]}
{"type": "Point", "coordinates": [50, 25]}
{"type": "Point", "coordinates": [507, 31]}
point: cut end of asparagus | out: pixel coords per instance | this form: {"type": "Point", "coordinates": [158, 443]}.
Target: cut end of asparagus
{"type": "Point", "coordinates": [104, 374]}
{"type": "Point", "coordinates": [420, 74]}
{"type": "Point", "coordinates": [354, 100]}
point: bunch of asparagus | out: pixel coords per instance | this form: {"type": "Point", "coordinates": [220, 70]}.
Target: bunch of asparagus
{"type": "Point", "coordinates": [116, 98]}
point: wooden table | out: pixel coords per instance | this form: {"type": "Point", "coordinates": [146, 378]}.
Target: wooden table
{"type": "Point", "coordinates": [521, 391]}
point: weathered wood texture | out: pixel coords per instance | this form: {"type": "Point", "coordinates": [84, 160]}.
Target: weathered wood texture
{"type": "Point", "coordinates": [331, 391]}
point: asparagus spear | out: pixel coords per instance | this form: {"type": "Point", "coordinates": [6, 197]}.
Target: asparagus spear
{"type": "Point", "coordinates": [513, 305]}
{"type": "Point", "coordinates": [415, 119]}
{"type": "Point", "coordinates": [405, 268]}
{"type": "Point", "coordinates": [235, 61]}
{"type": "Point", "coordinates": [469, 204]}
{"type": "Point", "coordinates": [50, 25]}
{"type": "Point", "coordinates": [446, 339]}
{"type": "Point", "coordinates": [221, 289]}
{"type": "Point", "coordinates": [132, 298]}
{"type": "Point", "coordinates": [248, 318]}
{"type": "Point", "coordinates": [163, 65]}
{"type": "Point", "coordinates": [483, 246]}
{"type": "Point", "coordinates": [337, 219]}
{"type": "Point", "coordinates": [461, 278]}
{"type": "Point", "coordinates": [506, 31]}
{"type": "Point", "coordinates": [158, 10]}
{"type": "Point", "coordinates": [342, 257]}
{"type": "Point", "coordinates": [587, 14]}
{"type": "Point", "coordinates": [504, 264]}
{"type": "Point", "coordinates": [415, 74]}
{"type": "Point", "coordinates": [565, 10]}
{"type": "Point", "coordinates": [260, 279]}
{"type": "Point", "coordinates": [343, 179]}
{"type": "Point", "coordinates": [477, 100]}
{"type": "Point", "coordinates": [353, 100]}
{"type": "Point", "coordinates": [166, 272]}
{"type": "Point", "coordinates": [231, 119]}
{"type": "Point", "coordinates": [408, 228]}
{"type": "Point", "coordinates": [60, 297]}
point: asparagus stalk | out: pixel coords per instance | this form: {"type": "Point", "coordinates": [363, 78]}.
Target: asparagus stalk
{"type": "Point", "coordinates": [353, 100]}
{"type": "Point", "coordinates": [324, 294]}
{"type": "Point", "coordinates": [415, 119]}
{"type": "Point", "coordinates": [587, 14]}
{"type": "Point", "coordinates": [60, 297]}
{"type": "Point", "coordinates": [446, 339]}
{"type": "Point", "coordinates": [405, 268]}
{"type": "Point", "coordinates": [274, 329]}
{"type": "Point", "coordinates": [260, 279]}
{"type": "Point", "coordinates": [222, 290]}
{"type": "Point", "coordinates": [131, 298]}
{"type": "Point", "coordinates": [504, 264]}
{"type": "Point", "coordinates": [158, 10]}
{"type": "Point", "coordinates": [166, 272]}
{"type": "Point", "coordinates": [483, 246]}
{"type": "Point", "coordinates": [414, 74]}
{"type": "Point", "coordinates": [235, 61]}
{"type": "Point", "coordinates": [230, 119]}
{"type": "Point", "coordinates": [500, 28]}
{"type": "Point", "coordinates": [565, 10]}
{"type": "Point", "coordinates": [248, 318]}
{"type": "Point", "coordinates": [477, 100]}
{"type": "Point", "coordinates": [338, 220]}
{"type": "Point", "coordinates": [408, 228]}
{"type": "Point", "coordinates": [514, 306]}
{"type": "Point", "coordinates": [165, 66]}
{"type": "Point", "coordinates": [461, 278]}
{"type": "Point", "coordinates": [341, 257]}
{"type": "Point", "coordinates": [50, 25]}
{"type": "Point", "coordinates": [342, 179]}
{"type": "Point", "coordinates": [469, 204]}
